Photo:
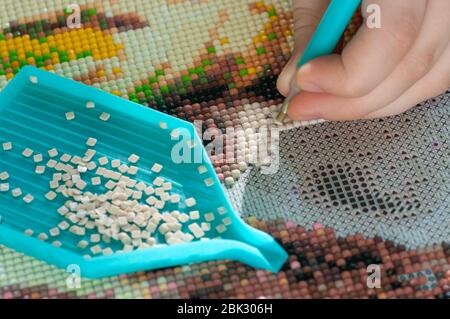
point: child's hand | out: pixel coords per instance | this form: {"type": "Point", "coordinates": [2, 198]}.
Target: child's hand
{"type": "Point", "coordinates": [381, 72]}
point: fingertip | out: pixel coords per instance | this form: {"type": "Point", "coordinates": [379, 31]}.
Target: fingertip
{"type": "Point", "coordinates": [287, 74]}
{"type": "Point", "coordinates": [308, 106]}
{"type": "Point", "coordinates": [284, 79]}
{"type": "Point", "coordinates": [282, 87]}
{"type": "Point", "coordinates": [319, 75]}
{"type": "Point", "coordinates": [301, 108]}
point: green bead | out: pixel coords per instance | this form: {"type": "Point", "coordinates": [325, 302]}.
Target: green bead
{"type": "Point", "coordinates": [164, 89]}
{"type": "Point", "coordinates": [231, 85]}
{"type": "Point", "coordinates": [239, 61]}
{"type": "Point", "coordinates": [261, 50]}
{"type": "Point", "coordinates": [42, 40]}
{"type": "Point", "coordinates": [199, 70]}
{"type": "Point", "coordinates": [132, 96]}
{"type": "Point", "coordinates": [2, 37]}
{"type": "Point", "coordinates": [80, 55]}
{"type": "Point", "coordinates": [146, 87]}
{"type": "Point", "coordinates": [40, 64]}
{"type": "Point", "coordinates": [211, 50]}
{"type": "Point", "coordinates": [243, 72]}
{"type": "Point", "coordinates": [227, 76]}
{"type": "Point", "coordinates": [104, 25]}
{"type": "Point", "coordinates": [159, 72]}
{"type": "Point", "coordinates": [272, 13]}
{"type": "Point", "coordinates": [87, 53]}
{"type": "Point", "coordinates": [272, 36]}
{"type": "Point", "coordinates": [186, 78]}
{"type": "Point", "coordinates": [206, 62]}
{"type": "Point", "coordinates": [2, 72]}
{"type": "Point", "coordinates": [138, 89]}
{"type": "Point", "coordinates": [91, 12]}
{"type": "Point", "coordinates": [148, 92]}
{"type": "Point", "coordinates": [153, 79]}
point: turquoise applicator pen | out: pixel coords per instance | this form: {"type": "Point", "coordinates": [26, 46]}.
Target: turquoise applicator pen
{"type": "Point", "coordinates": [323, 41]}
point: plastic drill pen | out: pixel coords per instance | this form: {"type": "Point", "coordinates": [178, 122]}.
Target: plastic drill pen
{"type": "Point", "coordinates": [323, 41]}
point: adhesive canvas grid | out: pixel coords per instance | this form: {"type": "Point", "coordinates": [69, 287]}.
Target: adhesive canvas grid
{"type": "Point", "coordinates": [347, 195]}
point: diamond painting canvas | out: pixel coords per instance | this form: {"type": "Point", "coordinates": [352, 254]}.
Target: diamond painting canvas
{"type": "Point", "coordinates": [345, 196]}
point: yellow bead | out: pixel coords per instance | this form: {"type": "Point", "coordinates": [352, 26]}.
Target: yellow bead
{"type": "Point", "coordinates": [260, 4]}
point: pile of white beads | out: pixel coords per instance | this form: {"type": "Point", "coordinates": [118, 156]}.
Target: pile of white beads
{"type": "Point", "coordinates": [105, 204]}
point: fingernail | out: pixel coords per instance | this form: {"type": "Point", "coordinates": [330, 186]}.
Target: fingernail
{"type": "Point", "coordinates": [300, 115]}
{"type": "Point", "coordinates": [310, 87]}
{"type": "Point", "coordinates": [306, 85]}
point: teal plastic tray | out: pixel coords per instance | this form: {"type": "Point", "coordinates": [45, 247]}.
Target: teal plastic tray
{"type": "Point", "coordinates": [33, 115]}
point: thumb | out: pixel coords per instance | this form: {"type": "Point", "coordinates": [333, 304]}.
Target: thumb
{"type": "Point", "coordinates": [307, 15]}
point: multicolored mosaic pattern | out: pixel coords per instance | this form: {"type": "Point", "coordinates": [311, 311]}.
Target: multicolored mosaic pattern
{"type": "Point", "coordinates": [197, 60]}
{"type": "Point", "coordinates": [217, 61]}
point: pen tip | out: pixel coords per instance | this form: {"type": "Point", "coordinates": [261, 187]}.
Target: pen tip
{"type": "Point", "coordinates": [281, 117]}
